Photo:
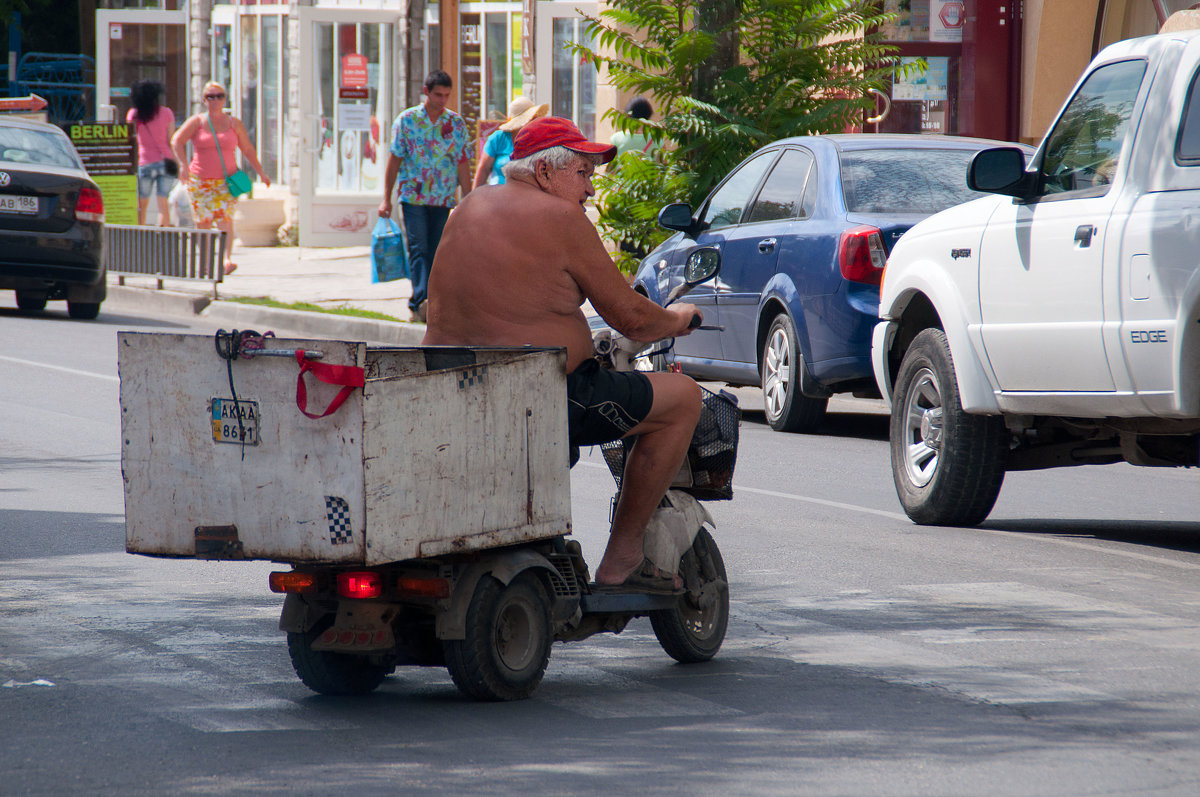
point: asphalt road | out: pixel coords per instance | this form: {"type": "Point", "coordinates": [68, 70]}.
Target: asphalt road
{"type": "Point", "coordinates": [1053, 651]}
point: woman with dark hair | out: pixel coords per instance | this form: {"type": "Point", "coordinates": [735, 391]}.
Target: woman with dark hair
{"type": "Point", "coordinates": [155, 125]}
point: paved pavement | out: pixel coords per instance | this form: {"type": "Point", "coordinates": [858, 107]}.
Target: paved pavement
{"type": "Point", "coordinates": [325, 277]}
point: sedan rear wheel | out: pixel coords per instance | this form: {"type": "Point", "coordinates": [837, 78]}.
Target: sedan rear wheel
{"type": "Point", "coordinates": [31, 301]}
{"type": "Point", "coordinates": [787, 409]}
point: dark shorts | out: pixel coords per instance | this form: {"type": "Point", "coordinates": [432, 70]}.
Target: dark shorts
{"type": "Point", "coordinates": [604, 405]}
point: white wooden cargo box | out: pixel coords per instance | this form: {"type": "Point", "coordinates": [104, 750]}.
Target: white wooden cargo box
{"type": "Point", "coordinates": [442, 450]}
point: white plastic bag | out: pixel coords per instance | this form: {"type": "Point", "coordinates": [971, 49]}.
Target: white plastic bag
{"type": "Point", "coordinates": [180, 206]}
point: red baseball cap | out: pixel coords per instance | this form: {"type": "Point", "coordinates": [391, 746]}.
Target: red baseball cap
{"type": "Point", "coordinates": [554, 131]}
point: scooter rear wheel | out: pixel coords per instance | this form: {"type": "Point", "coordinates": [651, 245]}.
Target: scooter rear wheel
{"type": "Point", "coordinates": [330, 673]}
{"type": "Point", "coordinates": [507, 645]}
{"type": "Point", "coordinates": [694, 629]}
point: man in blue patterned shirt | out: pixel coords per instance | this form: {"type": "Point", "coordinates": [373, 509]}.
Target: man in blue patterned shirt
{"type": "Point", "coordinates": [428, 156]}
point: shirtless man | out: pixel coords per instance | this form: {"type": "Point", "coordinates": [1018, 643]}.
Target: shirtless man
{"type": "Point", "coordinates": [515, 263]}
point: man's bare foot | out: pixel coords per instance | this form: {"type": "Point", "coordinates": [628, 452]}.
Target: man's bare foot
{"type": "Point", "coordinates": [230, 267]}
{"type": "Point", "coordinates": [644, 573]}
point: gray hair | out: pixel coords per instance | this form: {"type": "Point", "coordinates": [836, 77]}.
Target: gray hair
{"type": "Point", "coordinates": [558, 157]}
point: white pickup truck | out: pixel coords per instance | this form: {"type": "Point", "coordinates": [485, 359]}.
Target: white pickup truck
{"type": "Point", "coordinates": [1056, 322]}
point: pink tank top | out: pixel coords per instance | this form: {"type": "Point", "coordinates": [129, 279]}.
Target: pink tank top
{"type": "Point", "coordinates": [205, 162]}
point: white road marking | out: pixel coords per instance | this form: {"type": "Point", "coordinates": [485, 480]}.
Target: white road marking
{"type": "Point", "coordinates": [74, 371]}
{"type": "Point", "coordinates": [1095, 547]}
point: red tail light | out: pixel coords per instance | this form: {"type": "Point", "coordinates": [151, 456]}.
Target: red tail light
{"type": "Point", "coordinates": [90, 205]}
{"type": "Point", "coordinates": [861, 255]}
{"type": "Point", "coordinates": [360, 584]}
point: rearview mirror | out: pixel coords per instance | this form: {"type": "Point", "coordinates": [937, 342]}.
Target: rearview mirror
{"type": "Point", "coordinates": [676, 216]}
{"type": "Point", "coordinates": [998, 171]}
{"type": "Point", "coordinates": [702, 265]}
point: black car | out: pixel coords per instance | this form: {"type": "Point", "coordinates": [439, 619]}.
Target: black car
{"type": "Point", "coordinates": [51, 221]}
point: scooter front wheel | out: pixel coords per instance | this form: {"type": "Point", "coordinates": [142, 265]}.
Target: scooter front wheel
{"type": "Point", "coordinates": [507, 645]}
{"type": "Point", "coordinates": [693, 630]}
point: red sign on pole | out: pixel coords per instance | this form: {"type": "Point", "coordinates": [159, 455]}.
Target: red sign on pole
{"type": "Point", "coordinates": [953, 14]}
{"type": "Point", "coordinates": [354, 71]}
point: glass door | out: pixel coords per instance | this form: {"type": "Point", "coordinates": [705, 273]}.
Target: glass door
{"type": "Point", "coordinates": [565, 81]}
{"type": "Point", "coordinates": [133, 45]}
{"type": "Point", "coordinates": [347, 99]}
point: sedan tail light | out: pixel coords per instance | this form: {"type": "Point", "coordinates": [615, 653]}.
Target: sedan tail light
{"type": "Point", "coordinates": [90, 205]}
{"type": "Point", "coordinates": [861, 255]}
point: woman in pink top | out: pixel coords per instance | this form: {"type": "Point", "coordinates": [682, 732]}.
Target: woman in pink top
{"type": "Point", "coordinates": [154, 123]}
{"type": "Point", "coordinates": [214, 158]}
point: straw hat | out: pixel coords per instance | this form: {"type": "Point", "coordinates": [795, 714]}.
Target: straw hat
{"type": "Point", "coordinates": [523, 115]}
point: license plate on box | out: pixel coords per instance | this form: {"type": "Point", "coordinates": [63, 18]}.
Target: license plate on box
{"type": "Point", "coordinates": [225, 427]}
{"type": "Point", "coordinates": [27, 205]}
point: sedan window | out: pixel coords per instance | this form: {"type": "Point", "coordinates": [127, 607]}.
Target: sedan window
{"type": "Point", "coordinates": [905, 180]}
{"type": "Point", "coordinates": [727, 203]}
{"type": "Point", "coordinates": [781, 193]}
{"type": "Point", "coordinates": [22, 145]}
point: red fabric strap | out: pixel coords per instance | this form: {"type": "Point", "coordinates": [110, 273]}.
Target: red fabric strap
{"type": "Point", "coordinates": [348, 376]}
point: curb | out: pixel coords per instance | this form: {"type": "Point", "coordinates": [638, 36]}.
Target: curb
{"type": "Point", "coordinates": [251, 316]}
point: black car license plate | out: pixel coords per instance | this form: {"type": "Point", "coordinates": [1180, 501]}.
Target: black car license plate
{"type": "Point", "coordinates": [24, 205]}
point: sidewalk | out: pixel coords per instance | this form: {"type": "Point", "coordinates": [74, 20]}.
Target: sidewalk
{"type": "Point", "coordinates": [325, 277]}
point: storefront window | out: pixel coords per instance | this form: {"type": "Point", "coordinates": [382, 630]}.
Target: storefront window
{"type": "Point", "coordinates": [573, 82]}
{"type": "Point", "coordinates": [925, 20]}
{"type": "Point", "coordinates": [250, 58]}
{"type": "Point", "coordinates": [350, 68]}
{"type": "Point", "coordinates": [498, 54]}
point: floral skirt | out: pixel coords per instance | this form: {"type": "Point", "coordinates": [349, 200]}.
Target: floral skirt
{"type": "Point", "coordinates": [211, 201]}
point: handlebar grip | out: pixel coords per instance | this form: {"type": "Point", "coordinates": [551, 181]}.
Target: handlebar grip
{"type": "Point", "coordinates": [696, 321]}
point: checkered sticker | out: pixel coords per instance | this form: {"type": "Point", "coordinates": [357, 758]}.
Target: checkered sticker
{"type": "Point", "coordinates": [472, 377]}
{"type": "Point", "coordinates": [337, 511]}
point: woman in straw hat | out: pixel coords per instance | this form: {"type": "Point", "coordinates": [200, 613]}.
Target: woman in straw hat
{"type": "Point", "coordinates": [499, 145]}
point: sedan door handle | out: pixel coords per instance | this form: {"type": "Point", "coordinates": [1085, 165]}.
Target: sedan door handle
{"type": "Point", "coordinates": [766, 245]}
{"type": "Point", "coordinates": [1083, 235]}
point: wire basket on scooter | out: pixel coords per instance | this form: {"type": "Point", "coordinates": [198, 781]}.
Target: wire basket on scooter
{"type": "Point", "coordinates": [708, 471]}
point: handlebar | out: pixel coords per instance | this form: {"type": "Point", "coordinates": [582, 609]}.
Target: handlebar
{"type": "Point", "coordinates": [696, 321]}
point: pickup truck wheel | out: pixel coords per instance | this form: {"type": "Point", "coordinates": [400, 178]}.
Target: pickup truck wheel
{"type": "Point", "coordinates": [948, 465]}
{"type": "Point", "coordinates": [694, 629]}
{"type": "Point", "coordinates": [787, 409]}
{"type": "Point", "coordinates": [330, 673]}
{"type": "Point", "coordinates": [507, 645]}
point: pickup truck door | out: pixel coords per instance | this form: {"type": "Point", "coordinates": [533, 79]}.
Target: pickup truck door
{"type": "Point", "coordinates": [1041, 261]}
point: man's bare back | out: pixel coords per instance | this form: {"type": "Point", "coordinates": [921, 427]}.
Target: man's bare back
{"type": "Point", "coordinates": [504, 259]}
{"type": "Point", "coordinates": [514, 266]}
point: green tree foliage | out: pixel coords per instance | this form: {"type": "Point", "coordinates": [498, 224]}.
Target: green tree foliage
{"type": "Point", "coordinates": [727, 76]}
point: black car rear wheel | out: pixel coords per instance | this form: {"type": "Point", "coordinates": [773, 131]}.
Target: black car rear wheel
{"type": "Point", "coordinates": [31, 301]}
{"type": "Point", "coordinates": [85, 311]}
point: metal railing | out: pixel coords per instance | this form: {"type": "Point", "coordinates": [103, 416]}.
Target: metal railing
{"type": "Point", "coordinates": [165, 252]}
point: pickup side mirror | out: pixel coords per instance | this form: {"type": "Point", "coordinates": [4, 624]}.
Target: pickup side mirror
{"type": "Point", "coordinates": [676, 216]}
{"type": "Point", "coordinates": [999, 171]}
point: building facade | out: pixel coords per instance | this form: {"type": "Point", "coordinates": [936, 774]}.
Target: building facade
{"type": "Point", "coordinates": [317, 82]}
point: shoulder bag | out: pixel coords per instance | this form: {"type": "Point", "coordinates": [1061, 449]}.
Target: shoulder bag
{"type": "Point", "coordinates": [238, 183]}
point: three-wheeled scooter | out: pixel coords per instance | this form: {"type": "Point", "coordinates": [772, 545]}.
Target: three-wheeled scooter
{"type": "Point", "coordinates": [425, 513]}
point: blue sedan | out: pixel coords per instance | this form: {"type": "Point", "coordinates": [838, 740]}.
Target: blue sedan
{"type": "Point", "coordinates": [803, 227]}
